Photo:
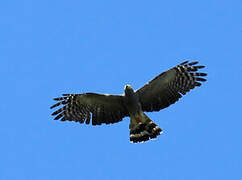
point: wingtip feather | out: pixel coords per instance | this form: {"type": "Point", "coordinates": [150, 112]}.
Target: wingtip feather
{"type": "Point", "coordinates": [192, 63]}
{"type": "Point", "coordinates": [185, 62]}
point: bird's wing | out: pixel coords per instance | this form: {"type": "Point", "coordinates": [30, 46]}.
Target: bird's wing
{"type": "Point", "coordinates": [169, 86]}
{"type": "Point", "coordinates": [82, 108]}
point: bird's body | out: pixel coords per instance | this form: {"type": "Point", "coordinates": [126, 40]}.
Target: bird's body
{"type": "Point", "coordinates": [141, 127]}
{"type": "Point", "coordinates": [159, 93]}
{"type": "Point", "coordinates": [131, 100]}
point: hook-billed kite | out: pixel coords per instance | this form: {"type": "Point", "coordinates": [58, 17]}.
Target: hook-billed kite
{"type": "Point", "coordinates": [161, 92]}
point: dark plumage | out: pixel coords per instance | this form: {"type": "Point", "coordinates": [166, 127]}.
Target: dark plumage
{"type": "Point", "coordinates": [162, 91]}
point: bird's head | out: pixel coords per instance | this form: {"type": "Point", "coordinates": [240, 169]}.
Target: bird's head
{"type": "Point", "coordinates": [128, 90]}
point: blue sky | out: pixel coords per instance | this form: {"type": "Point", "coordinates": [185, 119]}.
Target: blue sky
{"type": "Point", "coordinates": [52, 47]}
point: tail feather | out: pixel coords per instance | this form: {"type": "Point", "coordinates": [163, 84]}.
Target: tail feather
{"type": "Point", "coordinates": [142, 128]}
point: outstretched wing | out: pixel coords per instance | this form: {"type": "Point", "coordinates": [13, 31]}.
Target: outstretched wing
{"type": "Point", "coordinates": [169, 86]}
{"type": "Point", "coordinates": [82, 108]}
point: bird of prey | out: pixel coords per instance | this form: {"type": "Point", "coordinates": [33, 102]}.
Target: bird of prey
{"type": "Point", "coordinates": [159, 93]}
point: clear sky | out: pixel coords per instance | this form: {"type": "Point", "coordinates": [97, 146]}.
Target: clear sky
{"type": "Point", "coordinates": [52, 47]}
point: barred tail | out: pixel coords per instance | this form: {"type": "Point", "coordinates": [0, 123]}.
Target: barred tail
{"type": "Point", "coordinates": [142, 128]}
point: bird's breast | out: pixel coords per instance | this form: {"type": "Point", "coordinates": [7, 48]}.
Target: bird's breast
{"type": "Point", "coordinates": [133, 105]}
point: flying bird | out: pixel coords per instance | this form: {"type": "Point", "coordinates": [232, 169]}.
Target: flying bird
{"type": "Point", "coordinates": [164, 90]}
